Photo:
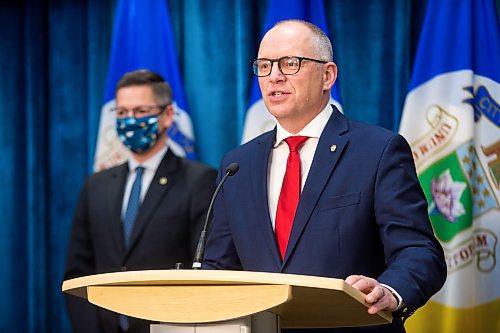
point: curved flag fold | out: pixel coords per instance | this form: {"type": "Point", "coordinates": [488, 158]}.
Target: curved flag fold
{"type": "Point", "coordinates": [451, 120]}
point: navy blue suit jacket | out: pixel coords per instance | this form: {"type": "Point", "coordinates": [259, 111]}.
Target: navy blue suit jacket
{"type": "Point", "coordinates": [361, 211]}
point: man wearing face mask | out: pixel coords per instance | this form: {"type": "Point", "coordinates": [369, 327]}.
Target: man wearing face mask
{"type": "Point", "coordinates": [144, 214]}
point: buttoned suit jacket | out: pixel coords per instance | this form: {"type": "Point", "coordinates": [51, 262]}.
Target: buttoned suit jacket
{"type": "Point", "coordinates": [361, 211]}
{"type": "Point", "coordinates": [166, 230]}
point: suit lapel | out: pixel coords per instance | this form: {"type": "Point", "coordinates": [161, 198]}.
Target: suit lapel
{"type": "Point", "coordinates": [324, 162]}
{"type": "Point", "coordinates": [154, 195]}
{"type": "Point", "coordinates": [259, 170]}
{"type": "Point", "coordinates": [116, 189]}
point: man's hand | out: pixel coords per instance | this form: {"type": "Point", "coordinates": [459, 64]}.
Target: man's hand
{"type": "Point", "coordinates": [379, 297]}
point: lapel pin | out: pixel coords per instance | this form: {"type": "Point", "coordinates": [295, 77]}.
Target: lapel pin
{"type": "Point", "coordinates": [333, 148]}
{"type": "Point", "coordinates": [163, 180]}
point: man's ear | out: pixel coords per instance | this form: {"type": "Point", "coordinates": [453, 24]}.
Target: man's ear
{"type": "Point", "coordinates": [329, 75]}
{"type": "Point", "coordinates": [168, 116]}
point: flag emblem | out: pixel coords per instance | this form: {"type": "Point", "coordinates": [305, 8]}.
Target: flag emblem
{"type": "Point", "coordinates": [451, 119]}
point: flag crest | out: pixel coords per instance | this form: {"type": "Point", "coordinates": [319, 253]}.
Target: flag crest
{"type": "Point", "coordinates": [451, 120]}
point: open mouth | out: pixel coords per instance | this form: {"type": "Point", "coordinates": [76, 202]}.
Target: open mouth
{"type": "Point", "coordinates": [277, 93]}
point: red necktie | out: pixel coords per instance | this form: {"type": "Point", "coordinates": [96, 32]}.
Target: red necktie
{"type": "Point", "coordinates": [290, 193]}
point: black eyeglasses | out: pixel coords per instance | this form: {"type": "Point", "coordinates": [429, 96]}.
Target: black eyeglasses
{"type": "Point", "coordinates": [139, 111]}
{"type": "Point", "coordinates": [288, 65]}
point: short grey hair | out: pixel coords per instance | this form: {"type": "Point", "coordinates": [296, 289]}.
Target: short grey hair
{"type": "Point", "coordinates": [323, 45]}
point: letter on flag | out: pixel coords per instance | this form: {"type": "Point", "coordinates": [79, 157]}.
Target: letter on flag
{"type": "Point", "coordinates": [143, 39]}
{"type": "Point", "coordinates": [451, 119]}
{"type": "Point", "coordinates": [258, 119]}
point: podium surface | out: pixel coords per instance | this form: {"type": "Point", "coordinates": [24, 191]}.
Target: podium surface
{"type": "Point", "coordinates": [204, 296]}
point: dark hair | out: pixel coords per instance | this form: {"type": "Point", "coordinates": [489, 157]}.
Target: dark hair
{"type": "Point", "coordinates": [144, 77]}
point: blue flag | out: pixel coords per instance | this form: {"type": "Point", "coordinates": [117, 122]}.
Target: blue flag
{"type": "Point", "coordinates": [143, 39]}
{"type": "Point", "coordinates": [451, 119]}
{"type": "Point", "coordinates": [258, 119]}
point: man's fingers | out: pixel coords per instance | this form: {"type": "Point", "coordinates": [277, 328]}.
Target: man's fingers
{"type": "Point", "coordinates": [386, 302]}
{"type": "Point", "coordinates": [353, 279]}
{"type": "Point", "coordinates": [365, 284]}
{"type": "Point", "coordinates": [375, 295]}
{"type": "Point", "coordinates": [382, 303]}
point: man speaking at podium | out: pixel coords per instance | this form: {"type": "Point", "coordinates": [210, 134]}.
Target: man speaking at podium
{"type": "Point", "coordinates": [324, 195]}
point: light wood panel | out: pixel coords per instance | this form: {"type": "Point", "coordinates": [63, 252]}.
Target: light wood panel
{"type": "Point", "coordinates": [193, 304]}
{"type": "Point", "coordinates": [199, 296]}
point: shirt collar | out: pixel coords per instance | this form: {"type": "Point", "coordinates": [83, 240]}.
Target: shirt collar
{"type": "Point", "coordinates": [312, 130]}
{"type": "Point", "coordinates": [152, 163]}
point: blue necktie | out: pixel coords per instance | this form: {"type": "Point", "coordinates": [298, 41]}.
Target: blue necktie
{"type": "Point", "coordinates": [134, 202]}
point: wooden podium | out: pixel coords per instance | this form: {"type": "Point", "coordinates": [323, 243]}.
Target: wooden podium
{"type": "Point", "coordinates": [207, 296]}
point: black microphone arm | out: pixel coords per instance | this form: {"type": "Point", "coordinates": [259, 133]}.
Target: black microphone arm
{"type": "Point", "coordinates": [231, 170]}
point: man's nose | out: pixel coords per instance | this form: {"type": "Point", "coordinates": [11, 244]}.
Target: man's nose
{"type": "Point", "coordinates": [276, 74]}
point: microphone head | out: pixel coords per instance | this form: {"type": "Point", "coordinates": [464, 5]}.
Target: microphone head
{"type": "Point", "coordinates": [232, 169]}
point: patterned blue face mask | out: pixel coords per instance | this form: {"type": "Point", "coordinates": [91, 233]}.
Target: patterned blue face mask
{"type": "Point", "coordinates": [138, 134]}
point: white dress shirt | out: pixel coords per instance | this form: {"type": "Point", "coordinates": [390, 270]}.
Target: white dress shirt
{"type": "Point", "coordinates": [279, 156]}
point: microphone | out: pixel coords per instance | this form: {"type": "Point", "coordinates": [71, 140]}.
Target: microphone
{"type": "Point", "coordinates": [231, 170]}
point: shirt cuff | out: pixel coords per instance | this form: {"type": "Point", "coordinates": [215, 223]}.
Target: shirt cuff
{"type": "Point", "coordinates": [399, 299]}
